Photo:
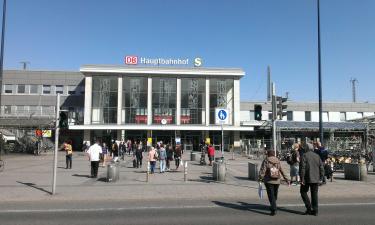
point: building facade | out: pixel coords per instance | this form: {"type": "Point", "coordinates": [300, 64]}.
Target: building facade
{"type": "Point", "coordinates": [139, 103]}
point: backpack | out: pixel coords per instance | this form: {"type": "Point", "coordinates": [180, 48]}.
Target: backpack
{"type": "Point", "coordinates": [273, 170]}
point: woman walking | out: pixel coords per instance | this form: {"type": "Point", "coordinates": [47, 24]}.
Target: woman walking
{"type": "Point", "coordinates": [152, 157]}
{"type": "Point", "coordinates": [270, 173]}
{"type": "Point", "coordinates": [104, 154]}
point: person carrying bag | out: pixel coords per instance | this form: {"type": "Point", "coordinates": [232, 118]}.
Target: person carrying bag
{"type": "Point", "coordinates": [270, 173]}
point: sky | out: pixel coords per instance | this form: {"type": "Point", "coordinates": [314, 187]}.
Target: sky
{"type": "Point", "coordinates": [246, 34]}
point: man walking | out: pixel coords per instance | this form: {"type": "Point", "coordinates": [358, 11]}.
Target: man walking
{"type": "Point", "coordinates": [311, 173]}
{"type": "Point", "coordinates": [94, 156]}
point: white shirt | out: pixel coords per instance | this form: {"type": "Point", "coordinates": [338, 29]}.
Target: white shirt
{"type": "Point", "coordinates": [94, 152]}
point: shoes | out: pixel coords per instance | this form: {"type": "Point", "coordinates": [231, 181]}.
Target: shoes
{"type": "Point", "coordinates": [314, 213]}
{"type": "Point", "coordinates": [273, 213]}
{"type": "Point", "coordinates": [307, 212]}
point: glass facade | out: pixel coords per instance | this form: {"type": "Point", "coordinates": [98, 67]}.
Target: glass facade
{"type": "Point", "coordinates": [221, 96]}
{"type": "Point", "coordinates": [164, 100]}
{"type": "Point", "coordinates": [134, 100]}
{"type": "Point", "coordinates": [104, 99]}
{"type": "Point", "coordinates": [193, 101]}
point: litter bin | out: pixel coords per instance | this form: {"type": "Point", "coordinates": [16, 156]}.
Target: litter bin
{"type": "Point", "coordinates": [219, 159]}
{"type": "Point", "coordinates": [113, 172]}
{"type": "Point", "coordinates": [219, 170]}
{"type": "Point", "coordinates": [253, 171]}
{"type": "Point", "coordinates": [355, 171]}
{"type": "Point", "coordinates": [195, 156]}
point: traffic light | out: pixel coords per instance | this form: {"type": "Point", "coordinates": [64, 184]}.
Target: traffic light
{"type": "Point", "coordinates": [281, 106]}
{"type": "Point", "coordinates": [63, 120]}
{"type": "Point", "coordinates": [258, 112]}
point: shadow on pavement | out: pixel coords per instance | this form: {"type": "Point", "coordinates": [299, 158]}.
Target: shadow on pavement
{"type": "Point", "coordinates": [241, 178]}
{"type": "Point", "coordinates": [79, 175]}
{"type": "Point", "coordinates": [34, 186]}
{"type": "Point", "coordinates": [256, 208]}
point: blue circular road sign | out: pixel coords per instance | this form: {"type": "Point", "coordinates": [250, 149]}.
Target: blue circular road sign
{"type": "Point", "coordinates": [222, 114]}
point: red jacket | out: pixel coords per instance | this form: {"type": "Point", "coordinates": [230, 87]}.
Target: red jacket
{"type": "Point", "coordinates": [211, 150]}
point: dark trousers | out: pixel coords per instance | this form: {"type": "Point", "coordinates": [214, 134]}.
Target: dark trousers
{"type": "Point", "coordinates": [272, 191]}
{"type": "Point", "coordinates": [68, 161]}
{"type": "Point", "coordinates": [314, 196]}
{"type": "Point", "coordinates": [152, 164]}
{"type": "Point", "coordinates": [139, 162]}
{"type": "Point", "coordinates": [94, 168]}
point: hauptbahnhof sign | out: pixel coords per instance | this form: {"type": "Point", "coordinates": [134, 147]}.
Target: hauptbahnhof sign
{"type": "Point", "coordinates": [135, 60]}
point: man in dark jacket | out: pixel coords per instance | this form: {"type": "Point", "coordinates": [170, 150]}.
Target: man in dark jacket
{"type": "Point", "coordinates": [311, 172]}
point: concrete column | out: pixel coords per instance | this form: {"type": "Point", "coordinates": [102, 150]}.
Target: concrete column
{"type": "Point", "coordinates": [119, 101]}
{"type": "Point", "coordinates": [178, 105]}
{"type": "Point", "coordinates": [118, 135]}
{"type": "Point", "coordinates": [207, 102]}
{"type": "Point", "coordinates": [87, 137]}
{"type": "Point", "coordinates": [149, 101]}
{"type": "Point", "coordinates": [236, 106]}
{"type": "Point", "coordinates": [88, 100]}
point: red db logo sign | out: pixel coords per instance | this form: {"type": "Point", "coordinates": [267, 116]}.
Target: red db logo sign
{"type": "Point", "coordinates": [131, 60]}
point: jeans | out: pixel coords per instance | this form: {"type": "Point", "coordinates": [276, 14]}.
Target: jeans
{"type": "Point", "coordinates": [68, 161]}
{"type": "Point", "coordinates": [162, 165]}
{"type": "Point", "coordinates": [272, 191]}
{"type": "Point", "coordinates": [314, 196]}
{"type": "Point", "coordinates": [94, 168]}
{"type": "Point", "coordinates": [152, 165]}
{"type": "Point", "coordinates": [139, 162]}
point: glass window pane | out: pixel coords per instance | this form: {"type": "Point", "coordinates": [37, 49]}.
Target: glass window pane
{"type": "Point", "coordinates": [33, 89]}
{"type": "Point", "coordinates": [46, 89]}
{"type": "Point", "coordinates": [59, 89]}
{"type": "Point", "coordinates": [8, 88]}
{"type": "Point", "coordinates": [21, 89]}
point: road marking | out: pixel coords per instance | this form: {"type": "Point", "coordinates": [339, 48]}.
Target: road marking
{"type": "Point", "coordinates": [169, 207]}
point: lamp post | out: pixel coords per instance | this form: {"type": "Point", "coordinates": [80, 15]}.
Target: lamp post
{"type": "Point", "coordinates": [320, 80]}
{"type": "Point", "coordinates": [2, 49]}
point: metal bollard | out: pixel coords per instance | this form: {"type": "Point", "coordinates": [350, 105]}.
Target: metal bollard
{"type": "Point", "coordinates": [185, 171]}
{"type": "Point", "coordinates": [148, 171]}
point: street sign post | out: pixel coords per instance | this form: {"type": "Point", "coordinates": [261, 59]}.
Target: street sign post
{"type": "Point", "coordinates": [222, 117]}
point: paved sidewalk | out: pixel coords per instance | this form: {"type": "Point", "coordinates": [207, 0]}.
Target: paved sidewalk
{"type": "Point", "coordinates": [29, 178]}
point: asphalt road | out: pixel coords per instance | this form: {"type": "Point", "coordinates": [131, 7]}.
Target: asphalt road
{"type": "Point", "coordinates": [198, 212]}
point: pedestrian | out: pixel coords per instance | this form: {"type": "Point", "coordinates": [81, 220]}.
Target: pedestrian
{"type": "Point", "coordinates": [169, 156]}
{"type": "Point", "coordinates": [311, 172]}
{"type": "Point", "coordinates": [94, 156]}
{"type": "Point", "coordinates": [210, 154]}
{"type": "Point", "coordinates": [293, 161]}
{"type": "Point", "coordinates": [114, 149]}
{"type": "Point", "coordinates": [139, 156]}
{"type": "Point", "coordinates": [104, 154]}
{"type": "Point", "coordinates": [162, 158]}
{"type": "Point", "coordinates": [69, 154]}
{"type": "Point", "coordinates": [122, 150]}
{"type": "Point", "coordinates": [152, 157]}
{"type": "Point", "coordinates": [270, 173]}
{"type": "Point", "coordinates": [177, 156]}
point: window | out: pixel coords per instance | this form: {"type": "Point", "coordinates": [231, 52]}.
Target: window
{"type": "Point", "coordinates": [8, 89]}
{"type": "Point", "coordinates": [7, 109]}
{"type": "Point", "coordinates": [307, 115]}
{"type": "Point", "coordinates": [342, 116]}
{"type": "Point", "coordinates": [21, 89]}
{"type": "Point", "coordinates": [34, 110]}
{"type": "Point", "coordinates": [71, 90]}
{"type": "Point", "coordinates": [289, 115]}
{"type": "Point", "coordinates": [21, 110]}
{"type": "Point", "coordinates": [325, 116]}
{"type": "Point", "coordinates": [59, 89]}
{"type": "Point", "coordinates": [46, 89]}
{"type": "Point", "coordinates": [360, 114]}
{"type": "Point", "coordinates": [33, 89]}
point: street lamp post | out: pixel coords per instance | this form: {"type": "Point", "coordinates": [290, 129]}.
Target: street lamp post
{"type": "Point", "coordinates": [2, 49]}
{"type": "Point", "coordinates": [320, 80]}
